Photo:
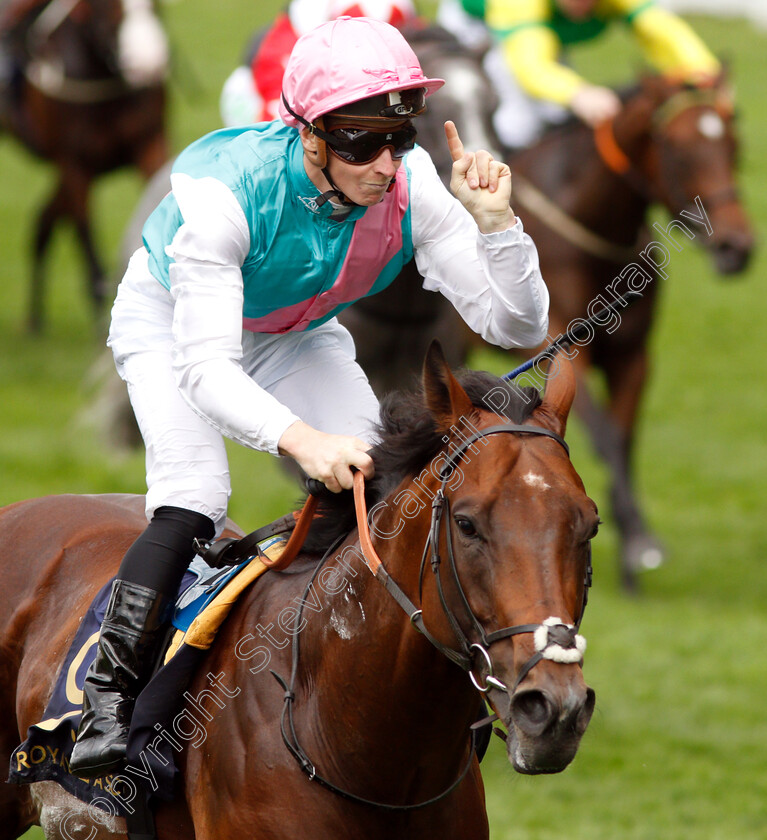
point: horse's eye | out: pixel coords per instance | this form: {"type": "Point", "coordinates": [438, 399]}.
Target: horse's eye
{"type": "Point", "coordinates": [595, 529]}
{"type": "Point", "coordinates": [465, 526]}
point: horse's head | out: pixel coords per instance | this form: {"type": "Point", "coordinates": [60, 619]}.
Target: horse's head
{"type": "Point", "coordinates": [468, 97]}
{"type": "Point", "coordinates": [510, 556]}
{"type": "Point", "coordinates": [688, 150]}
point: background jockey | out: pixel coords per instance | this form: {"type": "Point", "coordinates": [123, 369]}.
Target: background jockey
{"type": "Point", "coordinates": [531, 36]}
{"type": "Point", "coordinates": [252, 92]}
{"type": "Point", "coordinates": [225, 321]}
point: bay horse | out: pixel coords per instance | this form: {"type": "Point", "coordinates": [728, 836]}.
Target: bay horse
{"type": "Point", "coordinates": [88, 96]}
{"type": "Point", "coordinates": [479, 530]}
{"type": "Point", "coordinates": [585, 197]}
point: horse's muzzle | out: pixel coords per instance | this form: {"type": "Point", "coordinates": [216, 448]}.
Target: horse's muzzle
{"type": "Point", "coordinates": [545, 726]}
{"type": "Point", "coordinates": [732, 253]}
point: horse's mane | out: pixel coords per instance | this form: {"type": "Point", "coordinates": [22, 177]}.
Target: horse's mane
{"type": "Point", "coordinates": [408, 440]}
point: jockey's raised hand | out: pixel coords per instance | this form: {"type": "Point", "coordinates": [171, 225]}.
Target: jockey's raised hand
{"type": "Point", "coordinates": [481, 183]}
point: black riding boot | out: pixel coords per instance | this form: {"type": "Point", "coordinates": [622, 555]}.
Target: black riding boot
{"type": "Point", "coordinates": [133, 628]}
{"type": "Point", "coordinates": [131, 632]}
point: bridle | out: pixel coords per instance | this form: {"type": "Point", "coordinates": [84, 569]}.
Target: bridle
{"type": "Point", "coordinates": [617, 161]}
{"type": "Point", "coordinates": [553, 639]}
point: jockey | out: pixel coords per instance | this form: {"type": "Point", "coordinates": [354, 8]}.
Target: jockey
{"type": "Point", "coordinates": [530, 36]}
{"type": "Point", "coordinates": [252, 92]}
{"type": "Point", "coordinates": [224, 323]}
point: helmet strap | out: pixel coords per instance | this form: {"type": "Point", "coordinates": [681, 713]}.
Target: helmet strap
{"type": "Point", "coordinates": [342, 197]}
{"type": "Point", "coordinates": [334, 191]}
{"type": "Point", "coordinates": [322, 157]}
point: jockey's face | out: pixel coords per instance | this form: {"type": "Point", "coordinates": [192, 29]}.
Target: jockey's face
{"type": "Point", "coordinates": [364, 184]}
{"type": "Point", "coordinates": [576, 9]}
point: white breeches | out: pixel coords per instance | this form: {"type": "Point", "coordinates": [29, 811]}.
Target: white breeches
{"type": "Point", "coordinates": [314, 373]}
{"type": "Point", "coordinates": [520, 119]}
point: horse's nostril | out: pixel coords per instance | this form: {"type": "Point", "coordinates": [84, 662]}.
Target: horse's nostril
{"type": "Point", "coordinates": [731, 257]}
{"type": "Point", "coordinates": [585, 712]}
{"type": "Point", "coordinates": [532, 711]}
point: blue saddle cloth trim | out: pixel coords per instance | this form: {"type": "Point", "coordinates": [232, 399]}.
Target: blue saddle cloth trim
{"type": "Point", "coordinates": [44, 755]}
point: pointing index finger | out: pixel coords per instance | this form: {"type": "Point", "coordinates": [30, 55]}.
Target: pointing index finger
{"type": "Point", "coordinates": [453, 141]}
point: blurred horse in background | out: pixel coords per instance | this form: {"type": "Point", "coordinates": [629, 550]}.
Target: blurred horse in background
{"type": "Point", "coordinates": [585, 198]}
{"type": "Point", "coordinates": [85, 90]}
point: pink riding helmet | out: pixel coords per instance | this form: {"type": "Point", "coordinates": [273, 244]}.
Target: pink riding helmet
{"type": "Point", "coordinates": [345, 60]}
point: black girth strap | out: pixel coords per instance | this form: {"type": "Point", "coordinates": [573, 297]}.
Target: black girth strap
{"type": "Point", "coordinates": [229, 551]}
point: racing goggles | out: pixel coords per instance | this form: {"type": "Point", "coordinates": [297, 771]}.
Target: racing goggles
{"type": "Point", "coordinates": [361, 145]}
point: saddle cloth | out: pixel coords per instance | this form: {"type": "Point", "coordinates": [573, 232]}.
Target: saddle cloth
{"type": "Point", "coordinates": [206, 598]}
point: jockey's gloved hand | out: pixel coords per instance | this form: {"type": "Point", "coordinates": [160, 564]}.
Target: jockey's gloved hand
{"type": "Point", "coordinates": [594, 104]}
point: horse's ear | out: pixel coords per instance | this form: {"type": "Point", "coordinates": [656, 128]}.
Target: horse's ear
{"type": "Point", "coordinates": [444, 396]}
{"type": "Point", "coordinates": [559, 394]}
{"type": "Point", "coordinates": [725, 93]}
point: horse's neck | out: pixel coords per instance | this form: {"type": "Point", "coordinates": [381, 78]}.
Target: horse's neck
{"type": "Point", "coordinates": [369, 664]}
{"type": "Point", "coordinates": [364, 617]}
{"type": "Point", "coordinates": [568, 168]}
